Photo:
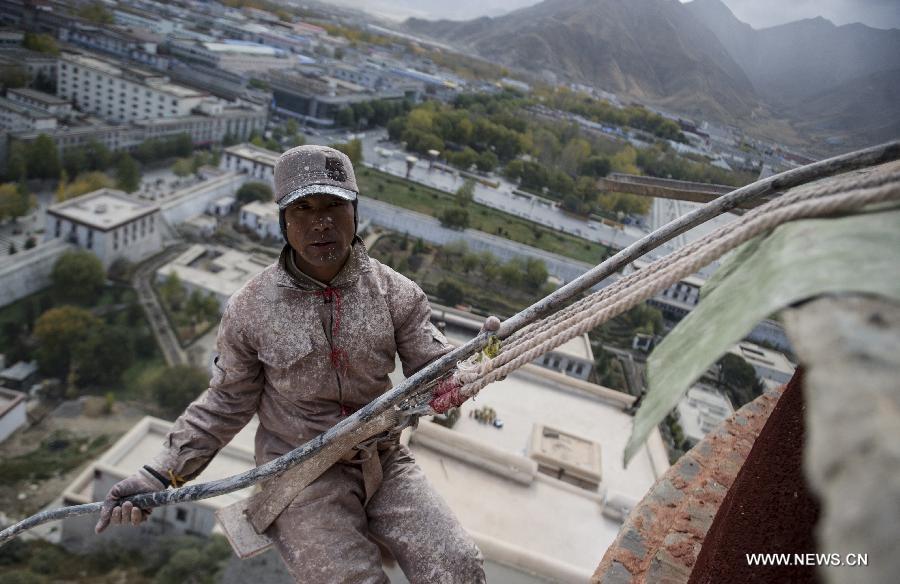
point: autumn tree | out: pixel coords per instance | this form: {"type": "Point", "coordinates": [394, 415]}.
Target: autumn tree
{"type": "Point", "coordinates": [59, 331]}
{"type": "Point", "coordinates": [13, 202]}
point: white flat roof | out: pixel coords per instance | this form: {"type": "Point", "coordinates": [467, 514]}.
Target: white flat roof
{"type": "Point", "coordinates": [255, 153]}
{"type": "Point", "coordinates": [266, 209]}
{"type": "Point", "coordinates": [689, 415]}
{"type": "Point", "coordinates": [223, 275]}
{"type": "Point", "coordinates": [548, 517]}
{"type": "Point", "coordinates": [760, 356]}
{"type": "Point", "coordinates": [103, 209]}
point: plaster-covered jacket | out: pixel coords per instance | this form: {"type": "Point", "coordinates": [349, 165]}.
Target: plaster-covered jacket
{"type": "Point", "coordinates": [303, 356]}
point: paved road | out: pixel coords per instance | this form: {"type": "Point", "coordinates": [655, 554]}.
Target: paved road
{"type": "Point", "coordinates": [162, 329]}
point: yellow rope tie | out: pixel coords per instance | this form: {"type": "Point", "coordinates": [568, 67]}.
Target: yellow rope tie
{"type": "Point", "coordinates": [175, 479]}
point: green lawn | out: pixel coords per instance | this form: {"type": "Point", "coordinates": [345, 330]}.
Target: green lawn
{"type": "Point", "coordinates": [429, 201]}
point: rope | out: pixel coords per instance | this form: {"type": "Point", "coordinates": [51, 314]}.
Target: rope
{"type": "Point", "coordinates": [599, 307]}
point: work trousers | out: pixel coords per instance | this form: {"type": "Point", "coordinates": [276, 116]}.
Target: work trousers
{"type": "Point", "coordinates": [327, 534]}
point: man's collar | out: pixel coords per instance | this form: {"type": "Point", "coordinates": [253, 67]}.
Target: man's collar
{"type": "Point", "coordinates": [289, 276]}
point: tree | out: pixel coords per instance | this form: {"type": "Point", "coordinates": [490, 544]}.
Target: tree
{"type": "Point", "coordinates": [595, 166]}
{"type": "Point", "coordinates": [95, 11]}
{"type": "Point", "coordinates": [59, 331]}
{"type": "Point", "coordinates": [13, 76]}
{"type": "Point", "coordinates": [466, 193]}
{"type": "Point", "coordinates": [173, 291]}
{"type": "Point", "coordinates": [128, 173]}
{"type": "Point", "coordinates": [535, 274]}
{"type": "Point", "coordinates": [183, 167]}
{"type": "Point", "coordinates": [43, 158]}
{"type": "Point", "coordinates": [174, 388]}
{"type": "Point", "coordinates": [455, 218]}
{"type": "Point", "coordinates": [487, 161]}
{"type": "Point", "coordinates": [254, 191]}
{"type": "Point", "coordinates": [74, 161]}
{"type": "Point", "coordinates": [97, 155]}
{"type": "Point", "coordinates": [84, 183]}
{"type": "Point", "coordinates": [13, 204]}
{"type": "Point", "coordinates": [104, 354]}
{"type": "Point", "coordinates": [450, 292]}
{"type": "Point", "coordinates": [42, 43]}
{"type": "Point", "coordinates": [345, 118]}
{"type": "Point", "coordinates": [738, 380]}
{"type": "Point", "coordinates": [353, 150]}
{"type": "Point", "coordinates": [78, 276]}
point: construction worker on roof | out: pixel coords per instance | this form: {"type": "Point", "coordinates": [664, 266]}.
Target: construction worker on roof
{"type": "Point", "coordinates": [304, 344]}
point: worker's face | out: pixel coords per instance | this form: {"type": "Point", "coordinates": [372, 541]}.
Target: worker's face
{"type": "Point", "coordinates": [320, 229]}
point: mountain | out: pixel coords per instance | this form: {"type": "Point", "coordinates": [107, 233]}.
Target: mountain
{"type": "Point", "coordinates": [655, 51]}
{"type": "Point", "coordinates": [838, 79]}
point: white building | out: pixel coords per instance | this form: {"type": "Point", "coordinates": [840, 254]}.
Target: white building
{"type": "Point", "coordinates": [768, 364]}
{"type": "Point", "coordinates": [211, 270]}
{"type": "Point", "coordinates": [108, 223]}
{"type": "Point", "coordinates": [701, 410]}
{"type": "Point", "coordinates": [19, 117]}
{"type": "Point", "coordinates": [12, 412]}
{"type": "Point", "coordinates": [258, 163]}
{"type": "Point", "coordinates": [122, 94]}
{"type": "Point", "coordinates": [44, 101]}
{"type": "Point", "coordinates": [125, 457]}
{"type": "Point", "coordinates": [261, 218]}
{"type": "Point", "coordinates": [235, 56]}
{"type": "Point", "coordinates": [151, 22]}
{"type": "Point", "coordinates": [20, 376]}
{"type": "Point", "coordinates": [222, 206]}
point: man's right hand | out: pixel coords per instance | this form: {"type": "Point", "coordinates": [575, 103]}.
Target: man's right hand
{"type": "Point", "coordinates": [113, 512]}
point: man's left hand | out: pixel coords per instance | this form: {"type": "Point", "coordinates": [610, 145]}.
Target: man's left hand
{"type": "Point", "coordinates": [446, 395]}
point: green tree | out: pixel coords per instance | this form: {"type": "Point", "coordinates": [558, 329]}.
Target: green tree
{"type": "Point", "coordinates": [173, 291]}
{"type": "Point", "coordinates": [535, 274]}
{"type": "Point", "coordinates": [97, 155]}
{"type": "Point", "coordinates": [128, 173]}
{"type": "Point", "coordinates": [595, 166]}
{"type": "Point", "coordinates": [455, 218]}
{"type": "Point", "coordinates": [738, 380]}
{"type": "Point", "coordinates": [42, 43]}
{"type": "Point", "coordinates": [74, 161]}
{"type": "Point", "coordinates": [59, 332]}
{"type": "Point", "coordinates": [95, 11]}
{"type": "Point", "coordinates": [174, 388]}
{"type": "Point", "coordinates": [466, 193]}
{"type": "Point", "coordinates": [17, 161]}
{"type": "Point", "coordinates": [78, 276]}
{"type": "Point", "coordinates": [345, 118]}
{"type": "Point", "coordinates": [183, 167]}
{"type": "Point", "coordinates": [450, 292]}
{"type": "Point", "coordinates": [353, 150]}
{"type": "Point", "coordinates": [104, 354]}
{"type": "Point", "coordinates": [253, 191]}
{"type": "Point", "coordinates": [43, 158]}
{"type": "Point", "coordinates": [487, 161]}
{"type": "Point", "coordinates": [13, 204]}
{"type": "Point", "coordinates": [13, 76]}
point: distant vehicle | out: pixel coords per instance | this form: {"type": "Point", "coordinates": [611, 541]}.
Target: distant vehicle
{"type": "Point", "coordinates": [498, 424]}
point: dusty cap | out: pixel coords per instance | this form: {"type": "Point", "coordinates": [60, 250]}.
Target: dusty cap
{"type": "Point", "coordinates": [311, 170]}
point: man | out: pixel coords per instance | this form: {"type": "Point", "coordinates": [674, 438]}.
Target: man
{"type": "Point", "coordinates": [304, 344]}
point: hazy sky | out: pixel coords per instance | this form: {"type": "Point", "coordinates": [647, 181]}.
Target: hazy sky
{"type": "Point", "coordinates": [757, 13]}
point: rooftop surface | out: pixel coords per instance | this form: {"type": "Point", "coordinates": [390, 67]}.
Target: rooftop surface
{"type": "Point", "coordinates": [24, 110]}
{"type": "Point", "coordinates": [262, 209]}
{"type": "Point", "coordinates": [255, 153]}
{"type": "Point", "coordinates": [104, 209]}
{"type": "Point", "coordinates": [45, 98]}
{"type": "Point", "coordinates": [20, 370]}
{"type": "Point", "coordinates": [222, 272]}
{"type": "Point", "coordinates": [757, 355]}
{"type": "Point", "coordinates": [9, 399]}
{"type": "Point", "coordinates": [701, 405]}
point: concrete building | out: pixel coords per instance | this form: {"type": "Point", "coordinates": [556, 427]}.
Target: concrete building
{"type": "Point", "coordinates": [108, 223]}
{"type": "Point", "coordinates": [125, 457]}
{"type": "Point", "coordinates": [255, 162]}
{"type": "Point", "coordinates": [234, 56]}
{"type": "Point", "coordinates": [18, 117]}
{"type": "Point", "coordinates": [30, 270]}
{"type": "Point", "coordinates": [12, 412]}
{"type": "Point", "coordinates": [261, 218]}
{"type": "Point", "coordinates": [122, 94]}
{"type": "Point", "coordinates": [213, 270]}
{"type": "Point", "coordinates": [196, 199]}
{"type": "Point", "coordinates": [222, 206]}
{"type": "Point", "coordinates": [45, 101]}
{"type": "Point", "coordinates": [701, 410]}
{"type": "Point", "coordinates": [20, 376]}
{"type": "Point", "coordinates": [767, 363]}
{"type": "Point", "coordinates": [129, 45]}
{"type": "Point", "coordinates": [11, 38]}
{"type": "Point", "coordinates": [134, 19]}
